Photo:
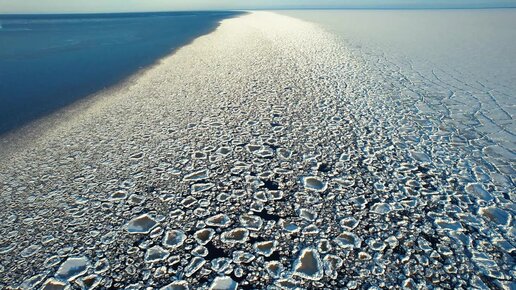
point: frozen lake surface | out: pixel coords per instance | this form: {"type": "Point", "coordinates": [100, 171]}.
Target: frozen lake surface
{"type": "Point", "coordinates": [323, 150]}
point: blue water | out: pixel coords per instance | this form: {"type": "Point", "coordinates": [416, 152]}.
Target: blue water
{"type": "Point", "coordinates": [49, 61]}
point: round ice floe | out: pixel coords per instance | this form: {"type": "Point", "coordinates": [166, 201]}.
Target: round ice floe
{"type": "Point", "coordinates": [30, 250]}
{"type": "Point", "coordinates": [176, 285]}
{"type": "Point", "coordinates": [308, 265]}
{"type": "Point", "coordinates": [496, 215]}
{"type": "Point", "coordinates": [253, 147]}
{"type": "Point", "coordinates": [392, 241]}
{"type": "Point", "coordinates": [195, 264]}
{"type": "Point", "coordinates": [156, 254]}
{"type": "Point", "coordinates": [314, 183]}
{"type": "Point", "coordinates": [324, 246]}
{"type": "Point", "coordinates": [223, 283]}
{"type": "Point", "coordinates": [349, 223]}
{"type": "Point", "coordinates": [376, 245]}
{"type": "Point", "coordinates": [310, 230]}
{"type": "Point", "coordinates": [174, 239]}
{"type": "Point", "coordinates": [72, 268]}
{"type": "Point", "coordinates": [257, 206]}
{"type": "Point", "coordinates": [241, 257]}
{"type": "Point", "coordinates": [137, 155]}
{"type": "Point", "coordinates": [251, 222]}
{"type": "Point", "coordinates": [200, 251]}
{"type": "Point", "coordinates": [274, 268]}
{"type": "Point", "coordinates": [238, 272]}
{"type": "Point", "coordinates": [265, 248]}
{"type": "Point", "coordinates": [238, 235]}
{"type": "Point", "coordinates": [219, 220]}
{"type": "Point", "coordinates": [477, 190]}
{"type": "Point", "coordinates": [220, 265]}
{"type": "Point", "coordinates": [197, 175]}
{"type": "Point", "coordinates": [344, 182]}
{"type": "Point", "coordinates": [284, 153]}
{"type": "Point", "coordinates": [201, 187]}
{"type": "Point", "coordinates": [448, 224]}
{"type": "Point", "coordinates": [204, 236]}
{"type": "Point", "coordinates": [265, 152]}
{"type": "Point", "coordinates": [128, 183]}
{"type": "Point", "coordinates": [108, 238]}
{"type": "Point", "coordinates": [6, 247]}
{"type": "Point", "coordinates": [288, 226]}
{"type": "Point", "coordinates": [364, 256]}
{"type": "Point", "coordinates": [223, 197]}
{"type": "Point", "coordinates": [381, 208]}
{"type": "Point", "coordinates": [260, 195]}
{"type": "Point", "coordinates": [141, 225]}
{"type": "Point", "coordinates": [307, 214]}
{"type": "Point", "coordinates": [224, 151]}
{"type": "Point", "coordinates": [51, 261]}
{"type": "Point", "coordinates": [101, 266]}
{"type": "Point", "coordinates": [275, 194]}
{"type": "Point", "coordinates": [348, 240]}
{"type": "Point", "coordinates": [199, 155]}
{"type": "Point", "coordinates": [136, 199]}
{"type": "Point", "coordinates": [118, 195]}
{"type": "Point", "coordinates": [331, 264]}
{"type": "Point", "coordinates": [189, 201]}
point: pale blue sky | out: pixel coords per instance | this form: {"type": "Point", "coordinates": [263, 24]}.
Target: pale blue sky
{"type": "Point", "coordinates": [78, 6]}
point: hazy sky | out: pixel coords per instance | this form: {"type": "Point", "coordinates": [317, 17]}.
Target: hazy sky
{"type": "Point", "coordinates": [61, 6]}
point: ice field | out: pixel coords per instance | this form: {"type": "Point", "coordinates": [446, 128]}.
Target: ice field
{"type": "Point", "coordinates": [277, 152]}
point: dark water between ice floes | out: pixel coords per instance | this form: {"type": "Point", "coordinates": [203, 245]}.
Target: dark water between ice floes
{"type": "Point", "coordinates": [50, 61]}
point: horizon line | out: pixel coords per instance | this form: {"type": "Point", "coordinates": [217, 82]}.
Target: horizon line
{"type": "Point", "coordinates": [262, 9]}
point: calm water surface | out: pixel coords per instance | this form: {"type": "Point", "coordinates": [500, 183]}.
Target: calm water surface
{"type": "Point", "coordinates": [49, 61]}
